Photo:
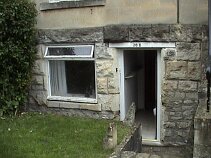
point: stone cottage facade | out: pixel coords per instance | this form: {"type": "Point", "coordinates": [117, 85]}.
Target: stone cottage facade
{"type": "Point", "coordinates": [99, 37]}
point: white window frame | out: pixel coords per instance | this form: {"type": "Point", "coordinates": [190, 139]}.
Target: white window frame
{"type": "Point", "coordinates": [69, 56]}
{"type": "Point", "coordinates": [66, 58]}
{"type": "Point", "coordinates": [55, 1]}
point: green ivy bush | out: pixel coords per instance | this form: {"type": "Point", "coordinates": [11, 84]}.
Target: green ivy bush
{"type": "Point", "coordinates": [17, 52]}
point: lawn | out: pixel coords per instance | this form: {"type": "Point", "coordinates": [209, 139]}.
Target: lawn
{"type": "Point", "coordinates": [53, 136]}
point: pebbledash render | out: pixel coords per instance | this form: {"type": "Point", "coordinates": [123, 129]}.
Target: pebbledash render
{"type": "Point", "coordinates": [91, 58]}
{"type": "Point", "coordinates": [182, 79]}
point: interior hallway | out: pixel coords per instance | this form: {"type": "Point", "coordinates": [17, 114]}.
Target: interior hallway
{"type": "Point", "coordinates": [148, 122]}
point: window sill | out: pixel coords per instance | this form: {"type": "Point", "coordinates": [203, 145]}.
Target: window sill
{"type": "Point", "coordinates": [72, 99]}
{"type": "Point", "coordinates": [71, 4]}
{"type": "Point", "coordinates": [73, 105]}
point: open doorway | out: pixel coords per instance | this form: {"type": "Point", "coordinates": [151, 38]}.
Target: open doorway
{"type": "Point", "coordinates": [140, 87]}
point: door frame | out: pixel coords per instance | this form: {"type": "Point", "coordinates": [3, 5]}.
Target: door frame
{"type": "Point", "coordinates": [122, 88]}
{"type": "Point", "coordinates": [120, 47]}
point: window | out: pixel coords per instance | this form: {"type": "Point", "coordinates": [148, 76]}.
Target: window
{"type": "Point", "coordinates": [71, 73]}
{"type": "Point", "coordinates": [65, 4]}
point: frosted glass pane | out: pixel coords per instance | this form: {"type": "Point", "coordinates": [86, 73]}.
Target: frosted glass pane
{"type": "Point", "coordinates": [70, 51]}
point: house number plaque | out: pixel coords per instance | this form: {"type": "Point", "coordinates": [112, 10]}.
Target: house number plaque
{"type": "Point", "coordinates": [137, 44]}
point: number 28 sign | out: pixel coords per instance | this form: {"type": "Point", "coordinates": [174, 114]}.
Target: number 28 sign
{"type": "Point", "coordinates": [137, 44]}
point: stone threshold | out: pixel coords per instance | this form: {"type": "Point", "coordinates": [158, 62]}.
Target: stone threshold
{"type": "Point", "coordinates": [45, 6]}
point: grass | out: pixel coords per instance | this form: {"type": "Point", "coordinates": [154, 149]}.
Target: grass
{"type": "Point", "coordinates": [53, 136]}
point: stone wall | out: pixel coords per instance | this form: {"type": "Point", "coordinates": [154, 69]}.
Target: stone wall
{"type": "Point", "coordinates": [107, 105]}
{"type": "Point", "coordinates": [183, 79]}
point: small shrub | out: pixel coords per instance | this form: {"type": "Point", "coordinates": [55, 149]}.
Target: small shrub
{"type": "Point", "coordinates": [17, 52]}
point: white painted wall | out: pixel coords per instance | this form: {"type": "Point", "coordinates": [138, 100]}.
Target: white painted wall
{"type": "Point", "coordinates": [125, 12]}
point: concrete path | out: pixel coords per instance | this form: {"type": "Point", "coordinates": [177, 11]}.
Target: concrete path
{"type": "Point", "coordinates": [131, 154]}
{"type": "Point", "coordinates": [146, 155]}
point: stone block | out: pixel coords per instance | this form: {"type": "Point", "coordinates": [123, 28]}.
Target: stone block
{"type": "Point", "coordinates": [176, 118]}
{"type": "Point", "coordinates": [102, 85]}
{"type": "Point", "coordinates": [114, 33]}
{"type": "Point", "coordinates": [182, 134]}
{"type": "Point", "coordinates": [166, 116]}
{"type": "Point", "coordinates": [204, 52]}
{"type": "Point", "coordinates": [113, 86]}
{"type": "Point", "coordinates": [74, 107]}
{"type": "Point", "coordinates": [142, 155]}
{"type": "Point", "coordinates": [176, 70]}
{"type": "Point", "coordinates": [172, 107]}
{"type": "Point", "coordinates": [109, 102]}
{"type": "Point", "coordinates": [160, 33]}
{"type": "Point", "coordinates": [93, 107]}
{"type": "Point", "coordinates": [155, 156]}
{"type": "Point", "coordinates": [37, 87]}
{"type": "Point", "coordinates": [69, 105]}
{"type": "Point", "coordinates": [196, 33]}
{"type": "Point", "coordinates": [169, 132]}
{"type": "Point", "coordinates": [176, 113]}
{"type": "Point", "coordinates": [187, 107]}
{"type": "Point", "coordinates": [188, 51]}
{"type": "Point", "coordinates": [186, 33]}
{"type": "Point", "coordinates": [192, 96]}
{"type": "Point", "coordinates": [104, 68]}
{"type": "Point", "coordinates": [130, 115]}
{"type": "Point", "coordinates": [179, 95]}
{"type": "Point", "coordinates": [40, 51]}
{"type": "Point", "coordinates": [110, 139]}
{"type": "Point", "coordinates": [53, 104]}
{"type": "Point", "coordinates": [40, 97]}
{"type": "Point", "coordinates": [170, 85]}
{"type": "Point", "coordinates": [31, 100]}
{"type": "Point", "coordinates": [70, 35]}
{"type": "Point", "coordinates": [166, 95]}
{"type": "Point", "coordinates": [103, 52]}
{"type": "Point", "coordinates": [183, 125]}
{"type": "Point", "coordinates": [169, 124]}
{"type": "Point", "coordinates": [38, 67]}
{"type": "Point", "coordinates": [45, 82]}
{"type": "Point", "coordinates": [190, 101]}
{"type": "Point", "coordinates": [169, 155]}
{"type": "Point", "coordinates": [178, 33]}
{"type": "Point", "coordinates": [128, 154]}
{"type": "Point", "coordinates": [37, 79]}
{"type": "Point", "coordinates": [187, 86]}
{"type": "Point", "coordinates": [188, 114]}
{"type": "Point", "coordinates": [169, 53]}
{"type": "Point", "coordinates": [205, 33]}
{"type": "Point", "coordinates": [140, 33]}
{"type": "Point", "coordinates": [172, 113]}
{"type": "Point", "coordinates": [194, 70]}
